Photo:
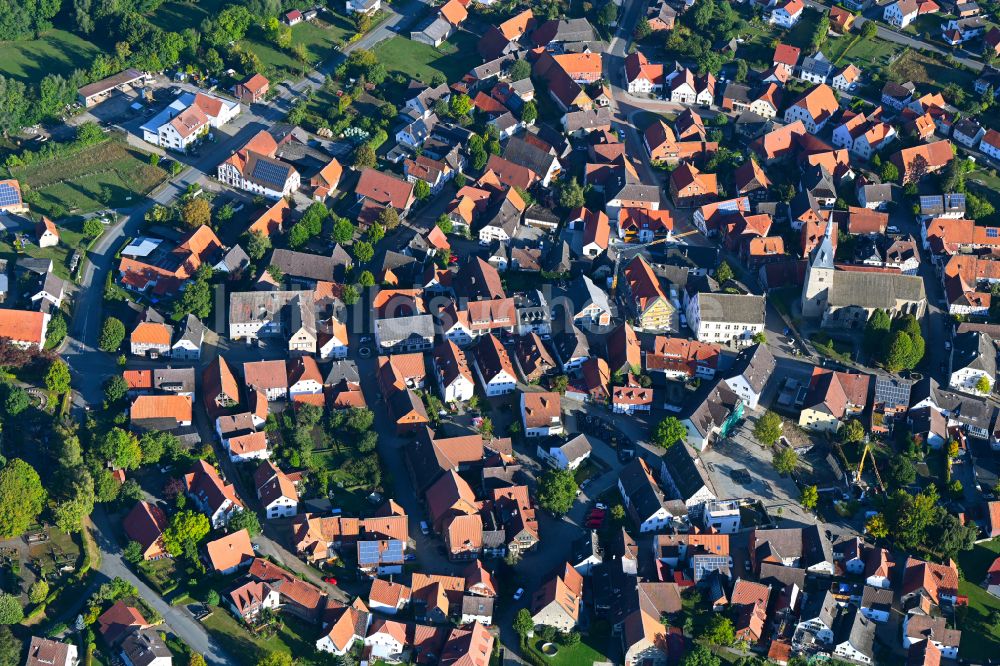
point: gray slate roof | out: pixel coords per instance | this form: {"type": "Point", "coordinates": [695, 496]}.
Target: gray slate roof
{"type": "Point", "coordinates": [874, 290]}
{"type": "Point", "coordinates": [741, 308]}
{"type": "Point", "coordinates": [976, 351]}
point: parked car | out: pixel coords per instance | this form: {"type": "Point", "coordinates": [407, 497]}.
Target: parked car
{"type": "Point", "coordinates": [409, 557]}
{"type": "Point", "coordinates": [519, 593]}
{"type": "Point", "coordinates": [424, 527]}
{"type": "Point", "coordinates": [331, 580]}
{"type": "Point", "coordinates": [601, 506]}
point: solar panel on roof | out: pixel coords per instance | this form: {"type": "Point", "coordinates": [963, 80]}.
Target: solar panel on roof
{"type": "Point", "coordinates": [956, 201]}
{"type": "Point", "coordinates": [9, 195]}
{"type": "Point", "coordinates": [926, 201]}
{"type": "Point", "coordinates": [394, 550]}
{"type": "Point", "coordinates": [992, 233]}
{"type": "Point", "coordinates": [270, 172]}
{"type": "Point", "coordinates": [368, 552]}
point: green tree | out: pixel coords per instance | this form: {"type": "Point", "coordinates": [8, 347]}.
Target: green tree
{"type": "Point", "coordinates": [877, 527]}
{"type": "Point", "coordinates": [459, 105]}
{"type": "Point", "coordinates": [56, 332]}
{"type": "Point", "coordinates": [155, 444]}
{"type": "Point", "coordinates": [38, 591]}
{"type": "Point", "coordinates": [785, 460]}
{"type": "Point", "coordinates": [444, 223]}
{"type": "Point", "coordinates": [133, 552]}
{"type": "Point", "coordinates": [93, 228]}
{"type": "Point", "coordinates": [608, 14]}
{"type": "Point", "coordinates": [618, 513]}
{"type": "Point", "coordinates": [349, 295]}
{"type": "Point", "coordinates": [120, 448]}
{"type": "Point", "coordinates": [112, 335]}
{"type": "Point", "coordinates": [902, 472]}
{"type": "Point", "coordinates": [343, 230]}
{"type": "Point", "coordinates": [421, 190]}
{"type": "Point", "coordinates": [809, 498]}
{"type": "Point", "coordinates": [668, 432]}
{"type": "Point", "coordinates": [196, 299]}
{"type": "Point", "coordinates": [363, 252]}
{"type": "Point", "coordinates": [70, 513]}
{"type": "Point", "coordinates": [557, 491]}
{"type": "Point", "coordinates": [57, 379]}
{"type": "Point", "coordinates": [571, 194]}
{"type": "Point", "coordinates": [529, 113]}
{"type": "Point", "coordinates": [700, 656]}
{"type": "Point", "coordinates": [877, 330]}
{"type": "Point", "coordinates": [245, 520]}
{"type": "Point", "coordinates": [186, 530]}
{"type": "Point", "coordinates": [375, 233]}
{"type": "Point", "coordinates": [724, 273]}
{"type": "Point", "coordinates": [889, 172]}
{"type": "Point", "coordinates": [16, 400]}
{"type": "Point", "coordinates": [364, 157]}
{"type": "Point", "coordinates": [869, 30]}
{"type": "Point", "coordinates": [759, 338]}
{"type": "Point", "coordinates": [852, 432]}
{"type": "Point", "coordinates": [276, 659]}
{"type": "Point", "coordinates": [256, 244]}
{"type": "Point", "coordinates": [642, 29]}
{"type": "Point", "coordinates": [11, 611]}
{"type": "Point", "coordinates": [366, 279]}
{"type": "Point", "coordinates": [767, 430]}
{"type": "Point", "coordinates": [559, 383]}
{"type": "Point", "coordinates": [115, 389]}
{"type": "Point", "coordinates": [720, 631]}
{"type": "Point", "coordinates": [523, 623]}
{"type": "Point", "coordinates": [899, 352]}
{"type": "Point", "coordinates": [983, 384]}
{"type": "Point", "coordinates": [520, 70]}
{"type": "Point", "coordinates": [22, 498]}
{"type": "Point", "coordinates": [10, 648]}
{"type": "Point", "coordinates": [388, 217]}
{"type": "Point", "coordinates": [196, 212]}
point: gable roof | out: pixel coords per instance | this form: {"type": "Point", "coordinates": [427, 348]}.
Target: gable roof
{"type": "Point", "coordinates": [229, 551]}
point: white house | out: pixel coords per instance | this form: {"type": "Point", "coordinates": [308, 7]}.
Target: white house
{"type": "Point", "coordinates": [900, 13]}
{"type": "Point", "coordinates": [973, 357]}
{"type": "Point", "coordinates": [46, 652]}
{"type": "Point", "coordinates": [876, 603]}
{"type": "Point", "coordinates": [990, 145]}
{"type": "Point", "coordinates": [188, 345]}
{"type": "Point", "coordinates": [541, 414]}
{"type": "Point", "coordinates": [642, 77]}
{"type": "Point", "coordinates": [276, 492]}
{"type": "Point", "coordinates": [494, 367]}
{"type": "Point", "coordinates": [855, 638]}
{"type": "Point", "coordinates": [917, 627]}
{"type": "Point", "coordinates": [642, 497]}
{"type": "Point", "coordinates": [726, 318]}
{"type": "Point", "coordinates": [304, 377]}
{"type": "Point", "coordinates": [968, 132]}
{"type": "Point", "coordinates": [814, 108]}
{"type": "Point", "coordinates": [748, 376]}
{"type": "Point", "coordinates": [386, 640]}
{"type": "Point", "coordinates": [333, 342]}
{"type": "Point", "coordinates": [788, 14]}
{"type": "Point", "coordinates": [247, 446]}
{"type": "Point", "coordinates": [569, 455]}
{"type": "Point", "coordinates": [188, 119]}
{"type": "Point", "coordinates": [363, 6]}
{"type": "Point", "coordinates": [451, 369]}
{"type": "Point", "coordinates": [347, 628]}
{"type": "Point", "coordinates": [47, 233]}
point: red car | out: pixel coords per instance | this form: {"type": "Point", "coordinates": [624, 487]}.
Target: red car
{"type": "Point", "coordinates": [331, 580]}
{"type": "Point", "coordinates": [597, 513]}
{"type": "Point", "coordinates": [453, 259]}
{"type": "Point", "coordinates": [595, 522]}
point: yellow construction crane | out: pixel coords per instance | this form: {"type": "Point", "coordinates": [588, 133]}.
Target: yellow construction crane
{"type": "Point", "coordinates": [866, 453]}
{"type": "Point", "coordinates": [618, 260]}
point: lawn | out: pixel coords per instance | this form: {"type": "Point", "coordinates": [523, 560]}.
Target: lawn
{"type": "Point", "coordinates": [980, 638]}
{"type": "Point", "coordinates": [422, 61]}
{"type": "Point", "coordinates": [161, 575]}
{"type": "Point", "coordinates": [70, 239]}
{"type": "Point", "coordinates": [56, 52]}
{"type": "Point", "coordinates": [108, 175]}
{"type": "Point", "coordinates": [986, 184]}
{"type": "Point", "coordinates": [320, 37]}
{"type": "Point", "coordinates": [580, 654]}
{"type": "Point", "coordinates": [178, 16]}
{"type": "Point", "coordinates": [926, 71]}
{"type": "Point", "coordinates": [235, 639]}
{"type": "Point", "coordinates": [868, 54]}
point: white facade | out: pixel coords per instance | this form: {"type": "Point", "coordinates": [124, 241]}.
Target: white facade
{"type": "Point", "coordinates": [385, 647]}
{"type": "Point", "coordinates": [763, 108]}
{"type": "Point", "coordinates": [281, 507]}
{"type": "Point", "coordinates": [723, 517]}
{"type": "Point", "coordinates": [230, 175]}
{"type": "Point", "coordinates": [741, 387]}
{"type": "Point", "coordinates": [305, 387]}
{"type": "Point", "coordinates": [719, 332]}
{"type": "Point", "coordinates": [643, 86]}
{"type": "Point", "coordinates": [781, 17]}
{"type": "Point", "coordinates": [990, 149]}
{"type": "Point", "coordinates": [796, 112]}
{"type": "Point", "coordinates": [965, 379]}
{"type": "Point", "coordinates": [875, 615]}
{"type": "Point", "coordinates": [500, 384]}
{"type": "Point", "coordinates": [847, 651]}
{"type": "Point", "coordinates": [894, 16]}
{"type": "Point", "coordinates": [490, 234]}
{"type": "Point", "coordinates": [460, 389]}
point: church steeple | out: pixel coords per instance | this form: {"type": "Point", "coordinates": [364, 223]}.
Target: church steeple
{"type": "Point", "coordinates": [823, 254]}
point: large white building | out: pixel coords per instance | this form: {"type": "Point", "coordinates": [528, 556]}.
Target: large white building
{"type": "Point", "coordinates": [188, 119]}
{"type": "Point", "coordinates": [726, 318]}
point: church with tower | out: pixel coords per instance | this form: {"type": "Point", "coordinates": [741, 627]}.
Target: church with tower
{"type": "Point", "coordinates": [845, 296]}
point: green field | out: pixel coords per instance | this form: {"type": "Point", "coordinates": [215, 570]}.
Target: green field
{"type": "Point", "coordinates": [108, 175]}
{"type": "Point", "coordinates": [56, 52]}
{"type": "Point", "coordinates": [70, 239]}
{"type": "Point", "coordinates": [235, 639]}
{"type": "Point", "coordinates": [178, 16]}
{"type": "Point", "coordinates": [422, 61]}
{"type": "Point", "coordinates": [929, 72]}
{"type": "Point", "coordinates": [865, 53]}
{"type": "Point", "coordinates": [980, 637]}
{"type": "Point", "coordinates": [579, 654]}
{"type": "Point", "coordinates": [319, 37]}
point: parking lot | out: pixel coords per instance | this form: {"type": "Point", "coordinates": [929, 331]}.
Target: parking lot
{"type": "Point", "coordinates": [740, 467]}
